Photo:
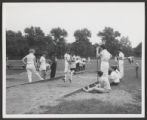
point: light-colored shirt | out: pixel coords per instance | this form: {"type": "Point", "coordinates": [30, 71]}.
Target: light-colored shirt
{"type": "Point", "coordinates": [66, 58]}
{"type": "Point", "coordinates": [115, 76]}
{"type": "Point", "coordinates": [105, 55]}
{"type": "Point", "coordinates": [104, 83]}
{"type": "Point", "coordinates": [43, 63]}
{"type": "Point", "coordinates": [84, 61]}
{"type": "Point", "coordinates": [121, 56]}
{"type": "Point", "coordinates": [30, 58]}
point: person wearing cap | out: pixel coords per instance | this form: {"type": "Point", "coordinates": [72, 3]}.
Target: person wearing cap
{"type": "Point", "coordinates": [121, 62]}
{"type": "Point", "coordinates": [43, 65]}
{"type": "Point", "coordinates": [105, 57]}
{"type": "Point", "coordinates": [30, 62]}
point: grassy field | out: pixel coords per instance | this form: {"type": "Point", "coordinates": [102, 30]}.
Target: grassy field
{"type": "Point", "coordinates": [42, 97]}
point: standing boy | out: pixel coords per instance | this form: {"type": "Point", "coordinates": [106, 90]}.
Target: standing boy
{"type": "Point", "coordinates": [30, 62]}
{"type": "Point", "coordinates": [53, 66]}
{"type": "Point", "coordinates": [67, 66]}
{"type": "Point", "coordinates": [43, 65]}
{"type": "Point", "coordinates": [121, 62]}
{"type": "Point", "coordinates": [105, 57]}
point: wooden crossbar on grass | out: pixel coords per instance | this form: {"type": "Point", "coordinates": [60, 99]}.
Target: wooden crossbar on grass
{"type": "Point", "coordinates": [36, 81]}
{"type": "Point", "coordinates": [77, 91]}
{"type": "Point", "coordinates": [40, 81]}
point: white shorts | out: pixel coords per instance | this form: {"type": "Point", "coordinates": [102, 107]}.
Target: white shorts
{"type": "Point", "coordinates": [42, 67]}
{"type": "Point", "coordinates": [104, 68]}
{"type": "Point", "coordinates": [67, 68]}
{"type": "Point", "coordinates": [30, 67]}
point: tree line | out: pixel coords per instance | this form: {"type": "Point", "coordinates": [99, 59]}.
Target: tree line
{"type": "Point", "coordinates": [55, 42]}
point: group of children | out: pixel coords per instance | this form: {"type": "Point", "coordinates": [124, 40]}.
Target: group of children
{"type": "Point", "coordinates": [43, 66]}
{"type": "Point", "coordinates": [73, 64]}
{"type": "Point", "coordinates": [107, 76]}
{"type": "Point", "coordinates": [104, 85]}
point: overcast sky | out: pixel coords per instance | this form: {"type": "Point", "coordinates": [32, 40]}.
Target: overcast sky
{"type": "Point", "coordinates": [127, 18]}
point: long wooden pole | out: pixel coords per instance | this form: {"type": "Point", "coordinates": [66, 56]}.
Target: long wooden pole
{"type": "Point", "coordinates": [97, 54]}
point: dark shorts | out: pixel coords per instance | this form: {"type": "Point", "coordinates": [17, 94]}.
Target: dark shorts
{"type": "Point", "coordinates": [113, 83]}
{"type": "Point", "coordinates": [72, 69]}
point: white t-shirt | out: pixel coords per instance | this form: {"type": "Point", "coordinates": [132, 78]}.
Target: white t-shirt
{"type": "Point", "coordinates": [30, 58]}
{"type": "Point", "coordinates": [84, 61]}
{"type": "Point", "coordinates": [105, 55]}
{"type": "Point", "coordinates": [104, 83]}
{"type": "Point", "coordinates": [121, 56]}
{"type": "Point", "coordinates": [115, 76]}
{"type": "Point", "coordinates": [73, 63]}
{"type": "Point", "coordinates": [66, 58]}
{"type": "Point", "coordinates": [43, 63]}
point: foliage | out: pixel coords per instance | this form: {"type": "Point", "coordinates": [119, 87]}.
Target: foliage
{"type": "Point", "coordinates": [82, 45]}
{"type": "Point", "coordinates": [126, 46]}
{"type": "Point", "coordinates": [138, 50]}
{"type": "Point", "coordinates": [17, 44]}
{"type": "Point", "coordinates": [59, 35]}
{"type": "Point", "coordinates": [110, 36]}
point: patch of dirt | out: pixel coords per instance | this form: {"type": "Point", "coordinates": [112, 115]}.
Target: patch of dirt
{"type": "Point", "coordinates": [115, 97]}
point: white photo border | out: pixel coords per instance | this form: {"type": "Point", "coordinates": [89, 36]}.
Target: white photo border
{"type": "Point", "coordinates": [4, 115]}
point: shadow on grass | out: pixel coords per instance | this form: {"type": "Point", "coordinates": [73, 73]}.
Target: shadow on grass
{"type": "Point", "coordinates": [91, 106]}
{"type": "Point", "coordinates": [14, 72]}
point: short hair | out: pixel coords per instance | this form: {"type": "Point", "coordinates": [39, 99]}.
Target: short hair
{"type": "Point", "coordinates": [103, 46]}
{"type": "Point", "coordinates": [100, 73]}
{"type": "Point", "coordinates": [31, 50]}
{"type": "Point", "coordinates": [114, 67]}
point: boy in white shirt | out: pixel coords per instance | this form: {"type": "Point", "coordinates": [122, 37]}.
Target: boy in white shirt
{"type": "Point", "coordinates": [43, 65]}
{"type": "Point", "coordinates": [105, 57]}
{"type": "Point", "coordinates": [67, 59]}
{"type": "Point", "coordinates": [30, 62]}
{"type": "Point", "coordinates": [102, 87]}
{"type": "Point", "coordinates": [114, 76]}
{"type": "Point", "coordinates": [121, 62]}
{"type": "Point", "coordinates": [72, 67]}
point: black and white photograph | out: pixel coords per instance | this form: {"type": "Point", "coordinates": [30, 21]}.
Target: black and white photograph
{"type": "Point", "coordinates": [73, 59]}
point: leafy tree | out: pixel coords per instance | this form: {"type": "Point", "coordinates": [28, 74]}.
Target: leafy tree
{"type": "Point", "coordinates": [59, 40]}
{"type": "Point", "coordinates": [110, 36]}
{"type": "Point", "coordinates": [36, 39]}
{"type": "Point", "coordinates": [15, 44]}
{"type": "Point", "coordinates": [126, 46]}
{"type": "Point", "coordinates": [33, 35]}
{"type": "Point", "coordinates": [82, 45]}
